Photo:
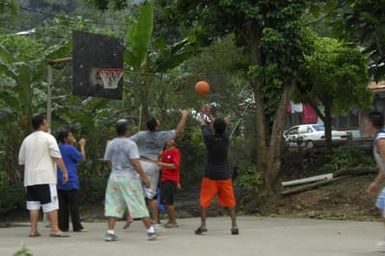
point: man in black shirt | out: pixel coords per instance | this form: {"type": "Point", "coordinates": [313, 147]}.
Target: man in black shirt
{"type": "Point", "coordinates": [217, 176]}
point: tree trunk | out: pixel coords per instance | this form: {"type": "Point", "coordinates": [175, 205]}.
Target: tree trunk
{"type": "Point", "coordinates": [268, 147]}
{"type": "Point", "coordinates": [253, 37]}
{"type": "Point", "coordinates": [328, 127]}
{"type": "Point", "coordinates": [260, 132]}
{"type": "Point", "coordinates": [273, 159]}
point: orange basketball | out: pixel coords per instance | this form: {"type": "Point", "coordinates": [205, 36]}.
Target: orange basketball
{"type": "Point", "coordinates": [202, 88]}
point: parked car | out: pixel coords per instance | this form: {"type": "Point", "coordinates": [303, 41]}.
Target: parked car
{"type": "Point", "coordinates": [310, 135]}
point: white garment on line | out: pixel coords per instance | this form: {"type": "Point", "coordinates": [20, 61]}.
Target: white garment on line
{"type": "Point", "coordinates": [296, 107]}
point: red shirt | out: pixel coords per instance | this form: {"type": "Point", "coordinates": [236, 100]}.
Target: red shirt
{"type": "Point", "coordinates": [171, 156]}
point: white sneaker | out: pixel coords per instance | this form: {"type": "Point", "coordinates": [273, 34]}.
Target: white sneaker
{"type": "Point", "coordinates": [151, 236]}
{"type": "Point", "coordinates": [158, 229]}
{"type": "Point", "coordinates": [381, 246]}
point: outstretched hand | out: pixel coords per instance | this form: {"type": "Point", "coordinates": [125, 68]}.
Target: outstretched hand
{"type": "Point", "coordinates": [82, 142]}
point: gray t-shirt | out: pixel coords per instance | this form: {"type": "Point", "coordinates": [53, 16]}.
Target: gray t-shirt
{"type": "Point", "coordinates": [119, 152]}
{"type": "Point", "coordinates": [151, 143]}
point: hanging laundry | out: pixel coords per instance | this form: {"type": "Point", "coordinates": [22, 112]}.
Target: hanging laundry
{"type": "Point", "coordinates": [296, 107]}
{"type": "Point", "coordinates": [309, 116]}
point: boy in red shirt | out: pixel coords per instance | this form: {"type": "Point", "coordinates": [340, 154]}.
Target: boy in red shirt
{"type": "Point", "coordinates": [169, 181]}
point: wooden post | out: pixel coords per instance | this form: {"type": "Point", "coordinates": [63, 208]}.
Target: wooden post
{"type": "Point", "coordinates": [49, 112]}
{"type": "Point", "coordinates": [49, 96]}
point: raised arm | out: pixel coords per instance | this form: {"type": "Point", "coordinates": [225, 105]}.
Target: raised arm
{"type": "Point", "coordinates": [182, 123]}
{"type": "Point", "coordinates": [82, 144]}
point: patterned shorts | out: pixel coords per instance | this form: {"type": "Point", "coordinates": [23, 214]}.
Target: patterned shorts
{"type": "Point", "coordinates": [122, 194]}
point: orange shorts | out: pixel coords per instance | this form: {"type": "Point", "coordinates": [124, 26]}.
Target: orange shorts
{"type": "Point", "coordinates": [222, 188]}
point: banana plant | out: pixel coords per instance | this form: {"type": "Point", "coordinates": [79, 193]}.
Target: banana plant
{"type": "Point", "coordinates": [146, 57]}
{"type": "Point", "coordinates": [20, 79]}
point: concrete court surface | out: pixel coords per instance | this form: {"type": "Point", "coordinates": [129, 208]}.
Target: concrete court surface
{"type": "Point", "coordinates": [259, 236]}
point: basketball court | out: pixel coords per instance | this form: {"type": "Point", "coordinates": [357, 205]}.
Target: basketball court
{"type": "Point", "coordinates": [259, 236]}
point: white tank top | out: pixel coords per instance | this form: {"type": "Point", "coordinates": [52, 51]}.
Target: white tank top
{"type": "Point", "coordinates": [380, 163]}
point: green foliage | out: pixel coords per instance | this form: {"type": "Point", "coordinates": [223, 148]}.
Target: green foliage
{"type": "Point", "coordinates": [23, 252]}
{"type": "Point", "coordinates": [8, 6]}
{"type": "Point", "coordinates": [347, 158]}
{"type": "Point", "coordinates": [251, 180]}
{"type": "Point", "coordinates": [336, 75]}
{"type": "Point", "coordinates": [12, 198]}
{"type": "Point", "coordinates": [192, 168]}
{"type": "Point", "coordinates": [139, 36]}
{"type": "Point", "coordinates": [93, 189]}
{"type": "Point", "coordinates": [359, 21]}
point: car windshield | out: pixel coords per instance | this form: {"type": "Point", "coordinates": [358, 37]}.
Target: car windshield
{"type": "Point", "coordinates": [319, 128]}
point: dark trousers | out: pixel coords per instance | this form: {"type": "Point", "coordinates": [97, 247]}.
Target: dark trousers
{"type": "Point", "coordinates": [69, 201]}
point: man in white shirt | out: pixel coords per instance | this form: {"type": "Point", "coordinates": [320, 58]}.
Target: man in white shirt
{"type": "Point", "coordinates": [39, 154]}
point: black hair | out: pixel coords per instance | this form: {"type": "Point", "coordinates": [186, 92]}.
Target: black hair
{"type": "Point", "coordinates": [151, 124]}
{"type": "Point", "coordinates": [37, 121]}
{"type": "Point", "coordinates": [63, 133]}
{"type": "Point", "coordinates": [122, 127]}
{"type": "Point", "coordinates": [219, 126]}
{"type": "Point", "coordinates": [377, 119]}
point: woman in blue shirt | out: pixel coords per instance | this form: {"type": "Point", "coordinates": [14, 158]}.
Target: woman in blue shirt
{"type": "Point", "coordinates": [68, 193]}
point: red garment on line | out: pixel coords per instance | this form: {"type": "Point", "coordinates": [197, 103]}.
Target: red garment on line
{"type": "Point", "coordinates": [309, 116]}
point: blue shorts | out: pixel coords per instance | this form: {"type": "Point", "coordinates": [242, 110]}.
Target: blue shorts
{"type": "Point", "coordinates": [380, 202]}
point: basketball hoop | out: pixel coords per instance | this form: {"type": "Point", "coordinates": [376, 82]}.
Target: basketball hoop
{"type": "Point", "coordinates": [111, 77]}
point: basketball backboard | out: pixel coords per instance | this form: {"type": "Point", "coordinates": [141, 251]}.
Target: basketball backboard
{"type": "Point", "coordinates": [91, 53]}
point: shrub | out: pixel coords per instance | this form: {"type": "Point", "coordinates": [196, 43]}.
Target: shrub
{"type": "Point", "coordinates": [23, 252]}
{"type": "Point", "coordinates": [92, 189]}
{"type": "Point", "coordinates": [250, 179]}
{"type": "Point", "coordinates": [347, 158]}
{"type": "Point", "coordinates": [12, 198]}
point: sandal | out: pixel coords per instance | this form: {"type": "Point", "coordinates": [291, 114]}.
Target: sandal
{"type": "Point", "coordinates": [83, 230]}
{"type": "Point", "coordinates": [171, 225]}
{"type": "Point", "coordinates": [235, 231]}
{"type": "Point", "coordinates": [34, 235]}
{"type": "Point", "coordinates": [59, 234]}
{"type": "Point", "coordinates": [200, 231]}
{"type": "Point", "coordinates": [128, 223]}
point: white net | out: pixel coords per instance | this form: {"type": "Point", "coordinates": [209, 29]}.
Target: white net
{"type": "Point", "coordinates": [111, 77]}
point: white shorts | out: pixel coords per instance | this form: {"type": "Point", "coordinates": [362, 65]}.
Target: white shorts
{"type": "Point", "coordinates": [42, 196]}
{"type": "Point", "coordinates": [152, 171]}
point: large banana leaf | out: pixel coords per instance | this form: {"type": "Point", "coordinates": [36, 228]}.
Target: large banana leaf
{"type": "Point", "coordinates": [139, 36]}
{"type": "Point", "coordinates": [5, 55]}
{"type": "Point", "coordinates": [6, 60]}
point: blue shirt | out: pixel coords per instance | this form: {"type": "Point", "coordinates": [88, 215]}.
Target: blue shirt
{"type": "Point", "coordinates": [71, 156]}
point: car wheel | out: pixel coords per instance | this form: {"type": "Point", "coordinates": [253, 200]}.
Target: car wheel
{"type": "Point", "coordinates": [309, 144]}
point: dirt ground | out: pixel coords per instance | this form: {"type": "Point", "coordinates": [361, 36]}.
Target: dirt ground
{"type": "Point", "coordinates": [346, 199]}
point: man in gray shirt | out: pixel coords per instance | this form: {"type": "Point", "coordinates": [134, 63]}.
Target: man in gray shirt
{"type": "Point", "coordinates": [124, 189]}
{"type": "Point", "coordinates": [150, 144]}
